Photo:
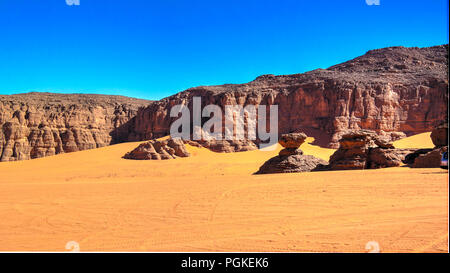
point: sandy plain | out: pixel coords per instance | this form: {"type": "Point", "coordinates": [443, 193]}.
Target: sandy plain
{"type": "Point", "coordinates": [212, 202]}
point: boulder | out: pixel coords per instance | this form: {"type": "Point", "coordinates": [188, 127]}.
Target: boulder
{"type": "Point", "coordinates": [431, 159]}
{"type": "Point", "coordinates": [439, 135]}
{"type": "Point", "coordinates": [411, 157]}
{"type": "Point", "coordinates": [383, 158]}
{"type": "Point", "coordinates": [158, 150]}
{"type": "Point", "coordinates": [224, 146]}
{"type": "Point", "coordinates": [292, 140]}
{"type": "Point", "coordinates": [290, 164]}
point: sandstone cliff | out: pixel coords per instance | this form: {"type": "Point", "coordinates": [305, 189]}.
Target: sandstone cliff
{"type": "Point", "coordinates": [393, 89]}
{"type": "Point", "coordinates": [35, 125]}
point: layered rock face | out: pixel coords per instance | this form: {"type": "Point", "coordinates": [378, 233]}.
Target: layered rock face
{"type": "Point", "coordinates": [291, 158]}
{"type": "Point", "coordinates": [390, 90]}
{"type": "Point", "coordinates": [35, 125]}
{"type": "Point", "coordinates": [364, 149]}
{"type": "Point", "coordinates": [159, 150]}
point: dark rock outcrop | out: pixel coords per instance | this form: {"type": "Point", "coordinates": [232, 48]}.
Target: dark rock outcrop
{"type": "Point", "coordinates": [158, 150]}
{"type": "Point", "coordinates": [431, 159]}
{"type": "Point", "coordinates": [35, 125]}
{"type": "Point", "coordinates": [291, 158]}
{"type": "Point", "coordinates": [386, 157]}
{"type": "Point", "coordinates": [411, 157]}
{"type": "Point", "coordinates": [290, 164]}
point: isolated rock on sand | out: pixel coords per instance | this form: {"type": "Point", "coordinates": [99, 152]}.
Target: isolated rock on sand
{"type": "Point", "coordinates": [224, 146]}
{"type": "Point", "coordinates": [364, 149]}
{"type": "Point", "coordinates": [158, 150]}
{"type": "Point", "coordinates": [291, 158]}
{"type": "Point", "coordinates": [290, 164]}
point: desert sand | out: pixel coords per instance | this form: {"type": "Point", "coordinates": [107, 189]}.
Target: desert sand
{"type": "Point", "coordinates": [212, 202]}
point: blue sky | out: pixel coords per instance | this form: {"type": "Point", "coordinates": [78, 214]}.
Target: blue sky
{"type": "Point", "coordinates": [155, 48]}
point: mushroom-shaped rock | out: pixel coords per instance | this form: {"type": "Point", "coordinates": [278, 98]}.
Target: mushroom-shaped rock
{"type": "Point", "coordinates": [292, 140]}
{"type": "Point", "coordinates": [291, 159]}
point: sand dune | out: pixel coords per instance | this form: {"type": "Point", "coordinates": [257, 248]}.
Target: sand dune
{"type": "Point", "coordinates": [419, 141]}
{"type": "Point", "coordinates": [212, 202]}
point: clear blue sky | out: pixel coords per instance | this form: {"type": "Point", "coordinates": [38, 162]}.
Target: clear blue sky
{"type": "Point", "coordinates": [155, 48]}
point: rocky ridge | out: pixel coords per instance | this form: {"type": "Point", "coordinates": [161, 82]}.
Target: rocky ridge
{"type": "Point", "coordinates": [390, 91]}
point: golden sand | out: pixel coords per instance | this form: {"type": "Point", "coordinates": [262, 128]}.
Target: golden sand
{"type": "Point", "coordinates": [419, 141]}
{"type": "Point", "coordinates": [212, 202]}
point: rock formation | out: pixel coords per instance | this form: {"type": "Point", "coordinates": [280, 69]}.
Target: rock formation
{"type": "Point", "coordinates": [390, 91]}
{"type": "Point", "coordinates": [387, 90]}
{"type": "Point", "coordinates": [432, 158]}
{"type": "Point", "coordinates": [224, 146]}
{"type": "Point", "coordinates": [35, 125]}
{"type": "Point", "coordinates": [291, 158]}
{"type": "Point", "coordinates": [364, 149]}
{"type": "Point", "coordinates": [158, 150]}
{"type": "Point", "coordinates": [439, 135]}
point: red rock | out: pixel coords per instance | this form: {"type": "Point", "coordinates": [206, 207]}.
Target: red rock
{"type": "Point", "coordinates": [35, 125]}
{"type": "Point", "coordinates": [431, 159]}
{"type": "Point", "coordinates": [224, 146]}
{"type": "Point", "coordinates": [158, 150]}
{"type": "Point", "coordinates": [291, 159]}
{"type": "Point", "coordinates": [439, 135]}
{"type": "Point", "coordinates": [389, 90]}
{"type": "Point", "coordinates": [290, 164]}
{"type": "Point", "coordinates": [292, 140]}
{"type": "Point", "coordinates": [364, 149]}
